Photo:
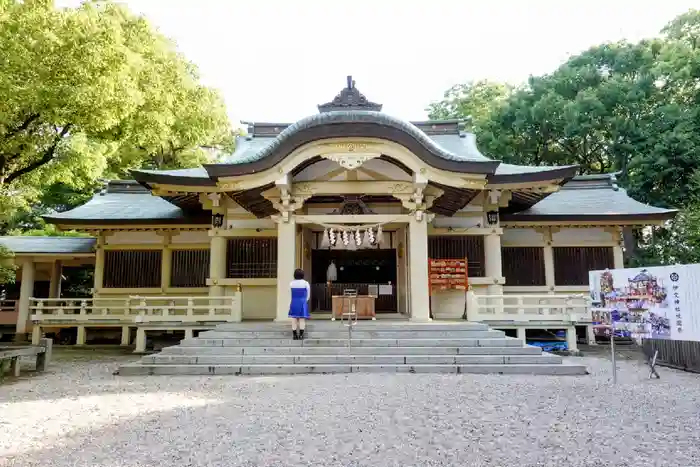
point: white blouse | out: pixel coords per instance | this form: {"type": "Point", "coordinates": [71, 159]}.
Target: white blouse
{"type": "Point", "coordinates": [301, 284]}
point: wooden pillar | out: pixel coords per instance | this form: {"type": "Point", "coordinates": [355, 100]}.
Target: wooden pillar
{"type": "Point", "coordinates": [126, 336]}
{"type": "Point", "coordinates": [26, 291]}
{"type": "Point", "coordinates": [418, 268]}
{"type": "Point", "coordinates": [548, 256]}
{"type": "Point", "coordinates": [286, 259]}
{"type": "Point", "coordinates": [55, 284]}
{"type": "Point", "coordinates": [166, 267]}
{"type": "Point", "coordinates": [217, 263]}
{"type": "Point", "coordinates": [99, 263]}
{"type": "Point", "coordinates": [494, 264]}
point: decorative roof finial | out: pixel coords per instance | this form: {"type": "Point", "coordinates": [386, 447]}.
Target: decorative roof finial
{"type": "Point", "coordinates": [350, 98]}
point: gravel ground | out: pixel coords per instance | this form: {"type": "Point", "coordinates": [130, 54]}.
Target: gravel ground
{"type": "Point", "coordinates": [78, 414]}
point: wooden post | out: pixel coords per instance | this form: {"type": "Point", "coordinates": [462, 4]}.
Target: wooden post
{"type": "Point", "coordinates": [140, 340]}
{"type": "Point", "coordinates": [14, 366]}
{"type": "Point", "coordinates": [47, 344]}
{"type": "Point", "coordinates": [36, 334]}
{"type": "Point", "coordinates": [81, 337]}
{"type": "Point", "coordinates": [126, 336]}
{"type": "Point", "coordinates": [190, 307]}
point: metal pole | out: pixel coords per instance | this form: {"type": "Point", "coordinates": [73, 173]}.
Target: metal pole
{"type": "Point", "coordinates": [612, 351]}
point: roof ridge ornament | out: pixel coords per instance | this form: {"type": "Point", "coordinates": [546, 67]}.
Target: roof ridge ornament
{"type": "Point", "coordinates": [349, 98]}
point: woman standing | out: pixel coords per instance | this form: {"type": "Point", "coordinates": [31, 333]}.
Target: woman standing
{"type": "Point", "coordinates": [299, 307]}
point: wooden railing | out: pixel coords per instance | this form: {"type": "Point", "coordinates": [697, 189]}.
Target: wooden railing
{"type": "Point", "coordinates": [135, 310]}
{"type": "Point", "coordinates": [528, 309]}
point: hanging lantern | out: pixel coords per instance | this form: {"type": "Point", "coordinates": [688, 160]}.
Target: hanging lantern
{"type": "Point", "coordinates": [380, 236]}
{"type": "Point", "coordinates": [325, 240]}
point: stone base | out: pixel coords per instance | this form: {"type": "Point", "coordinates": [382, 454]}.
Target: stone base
{"type": "Point", "coordinates": [376, 346]}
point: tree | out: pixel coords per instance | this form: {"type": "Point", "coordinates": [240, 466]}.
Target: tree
{"type": "Point", "coordinates": [473, 101]}
{"type": "Point", "coordinates": [91, 92]}
{"type": "Point", "coordinates": [7, 267]}
{"type": "Point", "coordinates": [631, 108]}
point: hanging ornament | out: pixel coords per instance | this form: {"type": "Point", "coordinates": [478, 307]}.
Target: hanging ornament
{"type": "Point", "coordinates": [346, 238]}
{"type": "Point", "coordinates": [367, 242]}
{"type": "Point", "coordinates": [380, 235]}
{"type": "Point", "coordinates": [352, 246]}
{"type": "Point", "coordinates": [358, 238]}
{"type": "Point", "coordinates": [372, 238]}
{"type": "Point", "coordinates": [325, 240]}
{"type": "Point", "coordinates": [332, 237]}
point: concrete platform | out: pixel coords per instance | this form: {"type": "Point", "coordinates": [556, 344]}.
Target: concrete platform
{"type": "Point", "coordinates": [379, 346]}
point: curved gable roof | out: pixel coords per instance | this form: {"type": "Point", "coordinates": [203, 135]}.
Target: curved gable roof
{"type": "Point", "coordinates": [351, 123]}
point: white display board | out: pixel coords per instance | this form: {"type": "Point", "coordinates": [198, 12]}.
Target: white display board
{"type": "Point", "coordinates": [660, 302]}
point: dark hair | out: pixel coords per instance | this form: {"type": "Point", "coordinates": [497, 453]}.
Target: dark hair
{"type": "Point", "coordinates": [298, 274]}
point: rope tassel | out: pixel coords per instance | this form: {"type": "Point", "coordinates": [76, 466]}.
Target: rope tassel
{"type": "Point", "coordinates": [325, 241]}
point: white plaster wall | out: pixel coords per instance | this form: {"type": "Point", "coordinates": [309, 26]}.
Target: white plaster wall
{"type": "Point", "coordinates": [448, 304]}
{"type": "Point", "coordinates": [133, 238]}
{"type": "Point", "coordinates": [582, 237]}
{"type": "Point", "coordinates": [522, 237]}
{"type": "Point", "coordinates": [191, 236]}
{"type": "Point", "coordinates": [259, 302]}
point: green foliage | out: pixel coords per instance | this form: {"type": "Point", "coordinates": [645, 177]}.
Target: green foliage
{"type": "Point", "coordinates": [473, 101]}
{"type": "Point", "coordinates": [7, 267]}
{"type": "Point", "coordinates": [631, 108]}
{"type": "Point", "coordinates": [91, 92]}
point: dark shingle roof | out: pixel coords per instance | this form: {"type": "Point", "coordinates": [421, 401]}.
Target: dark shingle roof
{"type": "Point", "coordinates": [123, 201]}
{"type": "Point", "coordinates": [49, 245]}
{"type": "Point", "coordinates": [591, 197]}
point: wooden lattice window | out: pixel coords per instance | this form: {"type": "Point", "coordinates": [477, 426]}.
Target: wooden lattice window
{"type": "Point", "coordinates": [190, 268]}
{"type": "Point", "coordinates": [254, 257]}
{"type": "Point", "coordinates": [459, 246]}
{"type": "Point", "coordinates": [523, 266]}
{"type": "Point", "coordinates": [572, 264]}
{"type": "Point", "coordinates": [132, 268]}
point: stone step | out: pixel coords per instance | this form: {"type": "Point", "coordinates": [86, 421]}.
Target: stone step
{"type": "Point", "coordinates": [342, 333]}
{"type": "Point", "coordinates": [523, 369]}
{"type": "Point", "coordinates": [378, 325]}
{"type": "Point", "coordinates": [312, 360]}
{"type": "Point", "coordinates": [311, 342]}
{"type": "Point", "coordinates": [297, 350]}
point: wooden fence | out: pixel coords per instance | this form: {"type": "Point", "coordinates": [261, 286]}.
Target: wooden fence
{"type": "Point", "coordinates": [684, 355]}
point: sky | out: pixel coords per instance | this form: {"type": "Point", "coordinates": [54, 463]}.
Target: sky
{"type": "Point", "coordinates": [275, 60]}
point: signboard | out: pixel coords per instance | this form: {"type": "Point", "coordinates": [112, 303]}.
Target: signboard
{"type": "Point", "coordinates": [656, 303]}
{"type": "Point", "coordinates": [447, 274]}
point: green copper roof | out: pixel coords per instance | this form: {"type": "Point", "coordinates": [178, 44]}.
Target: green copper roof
{"type": "Point", "coordinates": [49, 245]}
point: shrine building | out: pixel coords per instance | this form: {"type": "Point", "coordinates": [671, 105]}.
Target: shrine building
{"type": "Point", "coordinates": [372, 194]}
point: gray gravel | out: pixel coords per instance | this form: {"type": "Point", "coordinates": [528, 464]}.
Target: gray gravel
{"type": "Point", "coordinates": [78, 414]}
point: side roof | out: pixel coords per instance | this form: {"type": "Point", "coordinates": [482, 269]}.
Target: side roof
{"type": "Point", "coordinates": [584, 198]}
{"type": "Point", "coordinates": [49, 245]}
{"type": "Point", "coordinates": [590, 198]}
{"type": "Point", "coordinates": [128, 202]}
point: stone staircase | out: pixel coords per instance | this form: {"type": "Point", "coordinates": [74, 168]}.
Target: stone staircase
{"type": "Point", "coordinates": [399, 346]}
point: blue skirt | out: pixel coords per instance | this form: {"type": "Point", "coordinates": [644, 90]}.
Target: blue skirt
{"type": "Point", "coordinates": [299, 307]}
